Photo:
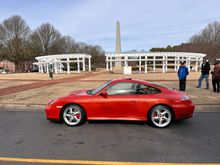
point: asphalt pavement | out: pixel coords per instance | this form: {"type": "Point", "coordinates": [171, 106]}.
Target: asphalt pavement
{"type": "Point", "coordinates": [30, 135]}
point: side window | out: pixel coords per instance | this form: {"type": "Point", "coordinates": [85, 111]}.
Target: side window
{"type": "Point", "coordinates": [122, 88]}
{"type": "Point", "coordinates": [144, 89]}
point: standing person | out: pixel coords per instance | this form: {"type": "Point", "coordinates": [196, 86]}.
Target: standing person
{"type": "Point", "coordinates": [182, 74]}
{"type": "Point", "coordinates": [205, 68]}
{"type": "Point", "coordinates": [216, 77]}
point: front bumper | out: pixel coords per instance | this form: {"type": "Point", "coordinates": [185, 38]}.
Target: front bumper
{"type": "Point", "coordinates": [53, 112]}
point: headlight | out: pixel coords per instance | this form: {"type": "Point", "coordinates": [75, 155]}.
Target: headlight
{"type": "Point", "coordinates": [52, 101]}
{"type": "Point", "coordinates": [184, 98]}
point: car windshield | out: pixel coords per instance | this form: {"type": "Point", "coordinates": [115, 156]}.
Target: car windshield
{"type": "Point", "coordinates": [94, 91]}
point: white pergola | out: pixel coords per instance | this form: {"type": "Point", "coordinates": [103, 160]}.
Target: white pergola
{"type": "Point", "coordinates": [59, 60]}
{"type": "Point", "coordinates": [163, 60]}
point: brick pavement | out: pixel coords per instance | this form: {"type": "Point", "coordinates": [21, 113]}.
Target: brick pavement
{"type": "Point", "coordinates": [42, 83]}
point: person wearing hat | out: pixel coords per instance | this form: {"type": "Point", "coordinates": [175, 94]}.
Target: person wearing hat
{"type": "Point", "coordinates": [182, 74]}
{"type": "Point", "coordinates": [216, 77]}
{"type": "Point", "coordinates": [205, 68]}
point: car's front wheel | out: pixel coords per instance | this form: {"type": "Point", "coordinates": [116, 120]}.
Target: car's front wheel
{"type": "Point", "coordinates": [160, 116]}
{"type": "Point", "coordinates": [73, 115]}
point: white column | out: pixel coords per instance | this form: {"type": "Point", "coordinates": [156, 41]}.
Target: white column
{"type": "Point", "coordinates": [89, 64]}
{"type": "Point", "coordinates": [201, 60]}
{"type": "Point", "coordinates": [68, 66]}
{"type": "Point", "coordinates": [188, 63]}
{"type": "Point", "coordinates": [107, 67]}
{"type": "Point", "coordinates": [175, 67]}
{"type": "Point", "coordinates": [196, 69]}
{"type": "Point", "coordinates": [145, 65]}
{"type": "Point", "coordinates": [41, 68]}
{"type": "Point", "coordinates": [126, 61]}
{"type": "Point", "coordinates": [60, 67]}
{"type": "Point", "coordinates": [139, 64]}
{"type": "Point", "coordinates": [38, 68]}
{"type": "Point", "coordinates": [178, 62]}
{"type": "Point", "coordinates": [47, 67]}
{"type": "Point", "coordinates": [55, 66]}
{"type": "Point", "coordinates": [110, 63]}
{"type": "Point", "coordinates": [83, 62]}
{"type": "Point", "coordinates": [78, 65]}
{"type": "Point", "coordinates": [166, 63]}
{"type": "Point", "coordinates": [163, 66]}
{"type": "Point", "coordinates": [154, 67]}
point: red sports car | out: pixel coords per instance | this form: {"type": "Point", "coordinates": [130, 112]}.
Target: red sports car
{"type": "Point", "coordinates": [122, 99]}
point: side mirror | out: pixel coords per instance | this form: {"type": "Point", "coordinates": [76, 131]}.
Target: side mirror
{"type": "Point", "coordinates": [104, 93]}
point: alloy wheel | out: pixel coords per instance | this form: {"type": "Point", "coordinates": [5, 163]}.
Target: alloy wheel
{"type": "Point", "coordinates": [72, 115]}
{"type": "Point", "coordinates": [161, 116]}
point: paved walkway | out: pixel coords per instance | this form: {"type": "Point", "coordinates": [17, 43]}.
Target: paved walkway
{"type": "Point", "coordinates": [42, 83]}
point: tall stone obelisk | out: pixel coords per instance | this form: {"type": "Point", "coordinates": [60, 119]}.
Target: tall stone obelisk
{"type": "Point", "coordinates": [118, 39]}
{"type": "Point", "coordinates": [118, 67]}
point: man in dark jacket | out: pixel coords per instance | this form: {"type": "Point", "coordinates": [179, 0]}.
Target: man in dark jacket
{"type": "Point", "coordinates": [182, 74]}
{"type": "Point", "coordinates": [205, 68]}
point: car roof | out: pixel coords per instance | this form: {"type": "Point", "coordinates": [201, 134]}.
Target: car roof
{"type": "Point", "coordinates": [128, 79]}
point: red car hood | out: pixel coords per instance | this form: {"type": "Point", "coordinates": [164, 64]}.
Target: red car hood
{"type": "Point", "coordinates": [78, 92]}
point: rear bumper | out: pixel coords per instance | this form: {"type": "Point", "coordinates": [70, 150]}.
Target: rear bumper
{"type": "Point", "coordinates": [52, 112]}
{"type": "Point", "coordinates": [183, 111]}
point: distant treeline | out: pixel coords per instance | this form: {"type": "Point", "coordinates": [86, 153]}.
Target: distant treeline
{"type": "Point", "coordinates": [19, 43]}
{"type": "Point", "coordinates": [207, 41]}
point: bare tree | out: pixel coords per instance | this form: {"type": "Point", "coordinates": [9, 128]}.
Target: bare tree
{"type": "Point", "coordinates": [211, 34]}
{"type": "Point", "coordinates": [67, 44]}
{"type": "Point", "coordinates": [13, 37]}
{"type": "Point", "coordinates": [18, 43]}
{"type": "Point", "coordinates": [46, 39]}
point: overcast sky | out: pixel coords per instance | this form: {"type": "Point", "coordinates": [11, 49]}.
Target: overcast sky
{"type": "Point", "coordinates": [144, 23]}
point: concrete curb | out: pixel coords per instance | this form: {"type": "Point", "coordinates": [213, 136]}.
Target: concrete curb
{"type": "Point", "coordinates": [208, 108]}
{"type": "Point", "coordinates": [40, 107]}
{"type": "Point", "coordinates": [21, 107]}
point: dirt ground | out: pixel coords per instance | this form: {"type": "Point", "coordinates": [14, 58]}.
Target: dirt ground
{"type": "Point", "coordinates": [43, 94]}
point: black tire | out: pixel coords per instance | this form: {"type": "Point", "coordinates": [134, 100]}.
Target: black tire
{"type": "Point", "coordinates": [160, 116]}
{"type": "Point", "coordinates": [73, 115]}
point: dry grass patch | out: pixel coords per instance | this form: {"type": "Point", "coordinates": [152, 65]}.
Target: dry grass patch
{"type": "Point", "coordinates": [43, 95]}
{"type": "Point", "coordinates": [34, 76]}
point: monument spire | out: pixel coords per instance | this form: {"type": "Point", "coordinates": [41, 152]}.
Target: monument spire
{"type": "Point", "coordinates": [118, 39]}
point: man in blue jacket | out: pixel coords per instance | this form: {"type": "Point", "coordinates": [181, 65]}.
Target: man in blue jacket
{"type": "Point", "coordinates": [182, 74]}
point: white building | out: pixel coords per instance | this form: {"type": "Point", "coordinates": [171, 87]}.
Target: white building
{"type": "Point", "coordinates": [163, 61]}
{"type": "Point", "coordinates": [82, 62]}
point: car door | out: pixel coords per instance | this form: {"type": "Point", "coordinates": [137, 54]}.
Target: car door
{"type": "Point", "coordinates": [121, 102]}
{"type": "Point", "coordinates": [147, 97]}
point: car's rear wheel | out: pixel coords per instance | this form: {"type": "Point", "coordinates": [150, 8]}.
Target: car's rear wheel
{"type": "Point", "coordinates": [73, 115]}
{"type": "Point", "coordinates": [160, 116]}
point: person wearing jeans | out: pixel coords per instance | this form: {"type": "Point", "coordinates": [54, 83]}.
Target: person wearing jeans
{"type": "Point", "coordinates": [205, 68]}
